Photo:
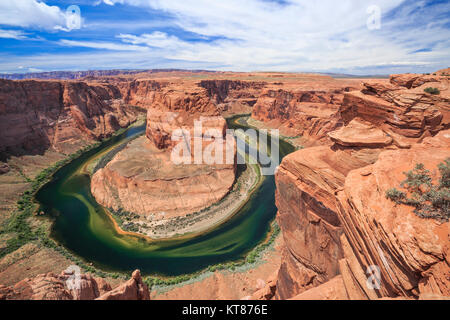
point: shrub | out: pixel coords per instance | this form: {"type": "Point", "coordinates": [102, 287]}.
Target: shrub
{"type": "Point", "coordinates": [430, 201]}
{"type": "Point", "coordinates": [431, 90]}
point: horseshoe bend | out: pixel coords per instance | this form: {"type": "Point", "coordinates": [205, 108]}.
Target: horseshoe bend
{"type": "Point", "coordinates": [357, 137]}
{"type": "Point", "coordinates": [252, 152]}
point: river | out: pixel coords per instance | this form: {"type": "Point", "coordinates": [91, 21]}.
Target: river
{"type": "Point", "coordinates": [84, 227]}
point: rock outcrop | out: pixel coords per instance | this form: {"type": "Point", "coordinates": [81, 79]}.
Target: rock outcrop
{"type": "Point", "coordinates": [38, 115]}
{"type": "Point", "coordinates": [412, 253]}
{"type": "Point", "coordinates": [172, 171]}
{"type": "Point", "coordinates": [307, 108]}
{"type": "Point", "coordinates": [307, 214]}
{"type": "Point", "coordinates": [207, 96]}
{"type": "Point", "coordinates": [66, 286]}
{"type": "Point", "coordinates": [333, 212]}
{"type": "Point", "coordinates": [233, 96]}
{"type": "Point", "coordinates": [360, 134]}
{"type": "Point", "coordinates": [133, 289]}
{"type": "Point", "coordinates": [305, 113]}
{"type": "Point", "coordinates": [407, 115]}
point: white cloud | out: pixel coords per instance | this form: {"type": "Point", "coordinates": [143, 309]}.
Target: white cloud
{"type": "Point", "coordinates": [12, 34]}
{"type": "Point", "coordinates": [102, 45]}
{"type": "Point", "coordinates": [33, 14]}
{"type": "Point", "coordinates": [156, 39]}
{"type": "Point", "coordinates": [297, 35]}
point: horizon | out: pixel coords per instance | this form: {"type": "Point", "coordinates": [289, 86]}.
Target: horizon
{"type": "Point", "coordinates": [163, 70]}
{"type": "Point", "coordinates": [372, 38]}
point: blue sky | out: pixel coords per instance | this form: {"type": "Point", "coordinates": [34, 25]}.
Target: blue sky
{"type": "Point", "coordinates": [236, 35]}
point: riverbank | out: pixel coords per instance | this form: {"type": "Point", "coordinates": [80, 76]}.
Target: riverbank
{"type": "Point", "coordinates": [199, 222]}
{"type": "Point", "coordinates": [248, 180]}
{"type": "Point", "coordinates": [237, 284]}
{"type": "Point", "coordinates": [85, 229]}
{"type": "Point", "coordinates": [26, 248]}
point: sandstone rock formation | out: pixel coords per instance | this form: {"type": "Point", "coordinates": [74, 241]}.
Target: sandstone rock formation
{"type": "Point", "coordinates": [360, 134]}
{"type": "Point", "coordinates": [308, 109]}
{"type": "Point", "coordinates": [38, 115]}
{"type": "Point", "coordinates": [306, 183]}
{"type": "Point", "coordinates": [330, 290]}
{"type": "Point", "coordinates": [62, 287]}
{"type": "Point", "coordinates": [413, 253]}
{"type": "Point", "coordinates": [65, 115]}
{"type": "Point", "coordinates": [147, 179]}
{"type": "Point", "coordinates": [133, 289]}
{"type": "Point", "coordinates": [233, 96]}
{"type": "Point", "coordinates": [333, 213]}
{"type": "Point", "coordinates": [407, 115]}
{"type": "Point", "coordinates": [144, 180]}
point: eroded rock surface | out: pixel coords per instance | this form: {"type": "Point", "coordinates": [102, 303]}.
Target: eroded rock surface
{"type": "Point", "coordinates": [333, 212]}
{"type": "Point", "coordinates": [307, 108]}
{"type": "Point", "coordinates": [152, 178]}
{"type": "Point", "coordinates": [63, 287]}
{"type": "Point", "coordinates": [38, 115]}
{"type": "Point", "coordinates": [412, 253]}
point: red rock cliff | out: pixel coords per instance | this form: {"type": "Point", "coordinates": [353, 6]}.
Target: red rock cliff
{"type": "Point", "coordinates": [37, 115]}
{"type": "Point", "coordinates": [333, 213]}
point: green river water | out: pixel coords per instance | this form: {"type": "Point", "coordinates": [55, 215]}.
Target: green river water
{"type": "Point", "coordinates": [84, 228]}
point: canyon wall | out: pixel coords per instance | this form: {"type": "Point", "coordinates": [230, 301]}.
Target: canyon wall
{"type": "Point", "coordinates": [309, 109]}
{"type": "Point", "coordinates": [38, 115]}
{"type": "Point", "coordinates": [412, 253]}
{"type": "Point", "coordinates": [333, 213]}
{"type": "Point", "coordinates": [65, 115]}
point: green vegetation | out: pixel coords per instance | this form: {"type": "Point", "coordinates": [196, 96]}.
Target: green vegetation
{"type": "Point", "coordinates": [20, 223]}
{"type": "Point", "coordinates": [431, 90]}
{"type": "Point", "coordinates": [251, 258]}
{"type": "Point", "coordinates": [24, 229]}
{"type": "Point", "coordinates": [429, 200]}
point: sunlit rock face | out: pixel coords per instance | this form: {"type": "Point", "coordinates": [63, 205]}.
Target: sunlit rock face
{"type": "Point", "coordinates": [63, 115]}
{"type": "Point", "coordinates": [184, 163]}
{"type": "Point", "coordinates": [69, 286]}
{"type": "Point", "coordinates": [333, 212]}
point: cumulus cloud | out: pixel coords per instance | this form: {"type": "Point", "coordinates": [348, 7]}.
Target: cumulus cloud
{"type": "Point", "coordinates": [296, 35]}
{"type": "Point", "coordinates": [33, 14]}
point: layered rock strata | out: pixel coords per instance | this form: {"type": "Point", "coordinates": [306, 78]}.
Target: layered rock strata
{"type": "Point", "coordinates": [308, 109]}
{"type": "Point", "coordinates": [38, 115]}
{"type": "Point", "coordinates": [333, 212]}
{"type": "Point", "coordinates": [161, 176]}
{"type": "Point", "coordinates": [68, 286]}
{"type": "Point", "coordinates": [64, 115]}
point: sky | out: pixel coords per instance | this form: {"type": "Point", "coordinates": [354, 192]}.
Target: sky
{"type": "Point", "coordinates": [347, 36]}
